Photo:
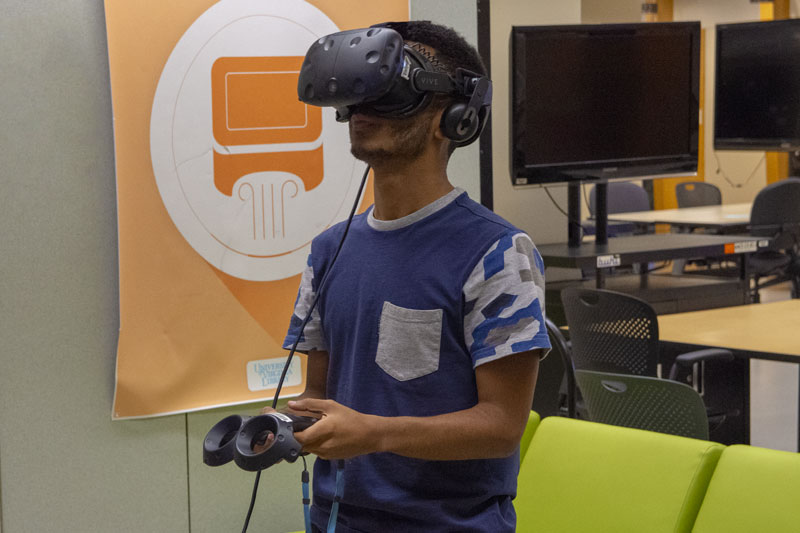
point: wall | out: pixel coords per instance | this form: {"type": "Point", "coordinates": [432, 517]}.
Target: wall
{"type": "Point", "coordinates": [527, 207]}
{"type": "Point", "coordinates": [463, 170]}
{"type": "Point", "coordinates": [64, 466]}
{"type": "Point", "coordinates": [605, 11]}
{"type": "Point", "coordinates": [610, 11]}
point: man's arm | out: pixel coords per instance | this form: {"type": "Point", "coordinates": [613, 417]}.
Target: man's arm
{"type": "Point", "coordinates": [316, 378]}
{"type": "Point", "coordinates": [316, 375]}
{"type": "Point", "coordinates": [492, 428]}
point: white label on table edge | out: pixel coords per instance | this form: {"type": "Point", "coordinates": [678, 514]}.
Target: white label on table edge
{"type": "Point", "coordinates": [745, 246]}
{"type": "Point", "coordinates": [608, 261]}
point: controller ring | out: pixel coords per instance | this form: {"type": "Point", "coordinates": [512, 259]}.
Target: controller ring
{"type": "Point", "coordinates": [220, 442]}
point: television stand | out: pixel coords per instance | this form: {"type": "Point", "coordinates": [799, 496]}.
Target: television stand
{"type": "Point", "coordinates": [574, 229]}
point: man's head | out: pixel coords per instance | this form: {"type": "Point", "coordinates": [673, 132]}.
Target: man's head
{"type": "Point", "coordinates": [451, 50]}
{"type": "Point", "coordinates": [407, 137]}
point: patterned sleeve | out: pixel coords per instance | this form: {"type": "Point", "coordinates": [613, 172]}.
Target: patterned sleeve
{"type": "Point", "coordinates": [504, 301]}
{"type": "Point", "coordinates": [312, 337]}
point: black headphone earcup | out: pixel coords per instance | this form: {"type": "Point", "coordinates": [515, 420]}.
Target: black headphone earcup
{"type": "Point", "coordinates": [460, 122]}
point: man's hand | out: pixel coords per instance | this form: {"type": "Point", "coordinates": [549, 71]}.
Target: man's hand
{"type": "Point", "coordinates": [341, 432]}
{"type": "Point", "coordinates": [259, 447]}
{"type": "Point", "coordinates": [269, 438]}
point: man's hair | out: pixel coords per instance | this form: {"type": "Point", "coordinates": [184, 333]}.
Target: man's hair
{"type": "Point", "coordinates": [451, 51]}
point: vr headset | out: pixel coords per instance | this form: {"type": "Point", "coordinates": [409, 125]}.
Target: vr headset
{"type": "Point", "coordinates": [372, 71]}
{"type": "Point", "coordinates": [235, 437]}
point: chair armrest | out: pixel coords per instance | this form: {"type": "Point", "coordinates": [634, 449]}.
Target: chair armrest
{"type": "Point", "coordinates": [688, 359]}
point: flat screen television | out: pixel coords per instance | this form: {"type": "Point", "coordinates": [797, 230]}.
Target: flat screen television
{"type": "Point", "coordinates": [604, 101]}
{"type": "Point", "coordinates": [757, 89]}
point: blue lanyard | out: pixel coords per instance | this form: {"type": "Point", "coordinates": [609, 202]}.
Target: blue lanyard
{"type": "Point", "coordinates": [336, 497]}
{"type": "Point", "coordinates": [306, 499]}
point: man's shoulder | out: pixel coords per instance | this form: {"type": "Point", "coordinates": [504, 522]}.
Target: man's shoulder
{"type": "Point", "coordinates": [332, 235]}
{"type": "Point", "coordinates": [477, 214]}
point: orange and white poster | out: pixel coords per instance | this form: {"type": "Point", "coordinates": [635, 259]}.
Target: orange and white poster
{"type": "Point", "coordinates": [223, 179]}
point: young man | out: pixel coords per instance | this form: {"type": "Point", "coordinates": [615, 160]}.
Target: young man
{"type": "Point", "coordinates": [424, 348]}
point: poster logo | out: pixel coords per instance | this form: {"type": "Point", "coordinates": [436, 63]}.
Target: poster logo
{"type": "Point", "coordinates": [255, 107]}
{"type": "Point", "coordinates": [264, 374]}
{"type": "Point", "coordinates": [247, 172]}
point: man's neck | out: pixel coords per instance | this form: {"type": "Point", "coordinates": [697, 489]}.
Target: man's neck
{"type": "Point", "coordinates": [403, 189]}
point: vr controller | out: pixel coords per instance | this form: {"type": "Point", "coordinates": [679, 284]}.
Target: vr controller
{"type": "Point", "coordinates": [372, 70]}
{"type": "Point", "coordinates": [234, 438]}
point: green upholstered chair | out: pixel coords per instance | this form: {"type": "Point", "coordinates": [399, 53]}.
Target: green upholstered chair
{"type": "Point", "coordinates": [581, 476]}
{"type": "Point", "coordinates": [530, 429]}
{"type": "Point", "coordinates": [752, 489]}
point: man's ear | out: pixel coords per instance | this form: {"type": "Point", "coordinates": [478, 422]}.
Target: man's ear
{"type": "Point", "coordinates": [438, 135]}
{"type": "Point", "coordinates": [436, 124]}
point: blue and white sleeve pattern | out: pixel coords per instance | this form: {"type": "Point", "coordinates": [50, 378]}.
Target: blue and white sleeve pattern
{"type": "Point", "coordinates": [504, 301]}
{"type": "Point", "coordinates": [312, 337]}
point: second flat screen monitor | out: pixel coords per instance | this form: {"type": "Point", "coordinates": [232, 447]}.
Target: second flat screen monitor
{"type": "Point", "coordinates": [757, 104]}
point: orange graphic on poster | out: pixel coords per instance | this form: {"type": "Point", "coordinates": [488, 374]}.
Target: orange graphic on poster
{"type": "Point", "coordinates": [245, 116]}
{"type": "Point", "coordinates": [254, 108]}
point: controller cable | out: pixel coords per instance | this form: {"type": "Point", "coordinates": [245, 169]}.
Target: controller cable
{"type": "Point", "coordinates": [340, 464]}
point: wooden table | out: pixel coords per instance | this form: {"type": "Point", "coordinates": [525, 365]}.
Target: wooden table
{"type": "Point", "coordinates": [727, 217]}
{"type": "Point", "coordinates": [767, 331]}
{"type": "Point", "coordinates": [764, 331]}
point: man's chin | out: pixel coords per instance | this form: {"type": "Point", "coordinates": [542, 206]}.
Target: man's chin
{"type": "Point", "coordinates": [371, 157]}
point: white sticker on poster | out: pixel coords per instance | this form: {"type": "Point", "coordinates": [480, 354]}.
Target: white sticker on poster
{"type": "Point", "coordinates": [263, 374]}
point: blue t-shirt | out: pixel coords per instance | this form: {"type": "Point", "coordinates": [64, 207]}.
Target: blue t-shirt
{"type": "Point", "coordinates": [410, 309]}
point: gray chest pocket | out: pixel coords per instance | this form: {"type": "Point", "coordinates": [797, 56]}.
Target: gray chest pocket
{"type": "Point", "coordinates": [409, 341]}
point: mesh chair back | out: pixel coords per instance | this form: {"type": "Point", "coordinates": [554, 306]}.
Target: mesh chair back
{"type": "Point", "coordinates": [643, 402]}
{"type": "Point", "coordinates": [623, 197]}
{"type": "Point", "coordinates": [776, 212]}
{"type": "Point", "coordinates": [549, 399]}
{"type": "Point", "coordinates": [562, 349]}
{"type": "Point", "coordinates": [697, 193]}
{"type": "Point", "coordinates": [611, 332]}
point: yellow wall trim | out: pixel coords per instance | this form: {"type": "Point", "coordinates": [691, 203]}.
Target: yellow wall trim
{"type": "Point", "coordinates": [777, 162]}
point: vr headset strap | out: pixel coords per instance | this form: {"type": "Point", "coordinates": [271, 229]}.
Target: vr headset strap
{"type": "Point", "coordinates": [436, 82]}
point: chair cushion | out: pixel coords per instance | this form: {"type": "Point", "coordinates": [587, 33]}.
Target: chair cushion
{"type": "Point", "coordinates": [530, 429]}
{"type": "Point", "coordinates": [752, 489]}
{"type": "Point", "coordinates": [581, 476]}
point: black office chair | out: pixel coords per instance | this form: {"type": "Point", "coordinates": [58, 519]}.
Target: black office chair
{"type": "Point", "coordinates": [555, 393]}
{"type": "Point", "coordinates": [623, 197]}
{"type": "Point", "coordinates": [618, 333]}
{"type": "Point", "coordinates": [697, 194]}
{"type": "Point", "coordinates": [643, 402]}
{"type": "Point", "coordinates": [776, 214]}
